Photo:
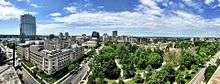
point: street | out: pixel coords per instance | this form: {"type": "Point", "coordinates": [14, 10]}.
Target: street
{"type": "Point", "coordinates": [75, 78]}
{"type": "Point", "coordinates": [198, 79]}
{"type": "Point", "coordinates": [27, 79]}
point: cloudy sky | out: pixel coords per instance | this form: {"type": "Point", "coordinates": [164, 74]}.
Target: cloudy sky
{"type": "Point", "coordinates": [128, 17]}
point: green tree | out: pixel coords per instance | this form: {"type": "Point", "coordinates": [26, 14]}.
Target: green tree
{"type": "Point", "coordinates": [209, 72]}
{"type": "Point", "coordinates": [122, 51]}
{"type": "Point", "coordinates": [155, 60]}
{"type": "Point", "coordinates": [121, 81]}
{"type": "Point", "coordinates": [138, 78]}
{"type": "Point", "coordinates": [187, 59]}
{"type": "Point", "coordinates": [180, 78]}
{"type": "Point", "coordinates": [71, 67]}
{"type": "Point", "coordinates": [132, 48]}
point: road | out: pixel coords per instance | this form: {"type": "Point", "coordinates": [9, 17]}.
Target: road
{"type": "Point", "coordinates": [75, 78]}
{"type": "Point", "coordinates": [27, 79]}
{"type": "Point", "coordinates": [199, 78]}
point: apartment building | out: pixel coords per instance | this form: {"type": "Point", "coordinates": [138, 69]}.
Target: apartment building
{"type": "Point", "coordinates": [53, 55]}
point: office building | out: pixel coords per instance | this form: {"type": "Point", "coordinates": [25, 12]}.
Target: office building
{"type": "Point", "coordinates": [27, 27]}
{"type": "Point", "coordinates": [95, 35]}
{"type": "Point", "coordinates": [114, 35]}
{"type": "Point", "coordinates": [105, 37]}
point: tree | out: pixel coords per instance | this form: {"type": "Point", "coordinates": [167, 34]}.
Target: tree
{"type": "Point", "coordinates": [142, 64]}
{"type": "Point", "coordinates": [108, 43]}
{"type": "Point", "coordinates": [71, 67]}
{"type": "Point", "coordinates": [138, 78]}
{"type": "Point", "coordinates": [100, 81]}
{"type": "Point", "coordinates": [121, 81]}
{"type": "Point", "coordinates": [217, 62]}
{"type": "Point", "coordinates": [122, 51]}
{"type": "Point", "coordinates": [140, 58]}
{"type": "Point", "coordinates": [170, 73]}
{"type": "Point", "coordinates": [209, 71]}
{"type": "Point", "coordinates": [180, 78]}
{"type": "Point", "coordinates": [111, 71]}
{"type": "Point", "coordinates": [132, 48]}
{"type": "Point", "coordinates": [155, 78]}
{"type": "Point", "coordinates": [92, 53]}
{"type": "Point", "coordinates": [150, 71]}
{"type": "Point", "coordinates": [187, 59]}
{"type": "Point", "coordinates": [129, 71]}
{"type": "Point", "coordinates": [91, 79]}
{"type": "Point", "coordinates": [155, 60]}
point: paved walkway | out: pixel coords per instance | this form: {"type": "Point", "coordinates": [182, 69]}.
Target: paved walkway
{"type": "Point", "coordinates": [120, 67]}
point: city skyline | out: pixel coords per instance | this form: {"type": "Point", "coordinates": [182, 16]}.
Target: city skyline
{"type": "Point", "coordinates": [135, 18]}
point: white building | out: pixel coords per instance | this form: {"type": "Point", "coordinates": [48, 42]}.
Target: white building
{"type": "Point", "coordinates": [52, 54]}
{"type": "Point", "coordinates": [90, 44]}
{"type": "Point", "coordinates": [51, 61]}
{"type": "Point", "coordinates": [105, 37]}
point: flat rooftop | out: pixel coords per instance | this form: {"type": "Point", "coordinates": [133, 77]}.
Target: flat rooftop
{"type": "Point", "coordinates": [8, 75]}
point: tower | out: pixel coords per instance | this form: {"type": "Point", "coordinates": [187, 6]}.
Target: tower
{"type": "Point", "coordinates": [27, 27]}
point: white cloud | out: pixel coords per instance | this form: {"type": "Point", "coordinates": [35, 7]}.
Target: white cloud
{"type": "Point", "coordinates": [150, 3]}
{"type": "Point", "coordinates": [216, 6]}
{"type": "Point", "coordinates": [56, 14]}
{"type": "Point", "coordinates": [3, 2]}
{"type": "Point", "coordinates": [147, 15]}
{"type": "Point", "coordinates": [208, 2]}
{"type": "Point", "coordinates": [9, 11]}
{"type": "Point", "coordinates": [50, 28]}
{"type": "Point", "coordinates": [24, 1]}
{"type": "Point", "coordinates": [35, 5]}
{"type": "Point", "coordinates": [71, 9]}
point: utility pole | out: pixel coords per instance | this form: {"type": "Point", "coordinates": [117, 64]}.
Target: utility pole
{"type": "Point", "coordinates": [13, 54]}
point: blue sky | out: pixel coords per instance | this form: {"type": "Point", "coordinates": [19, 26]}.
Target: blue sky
{"type": "Point", "coordinates": [129, 17]}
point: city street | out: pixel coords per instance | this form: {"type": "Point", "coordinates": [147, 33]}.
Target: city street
{"type": "Point", "coordinates": [27, 79]}
{"type": "Point", "coordinates": [75, 78]}
{"type": "Point", "coordinates": [198, 79]}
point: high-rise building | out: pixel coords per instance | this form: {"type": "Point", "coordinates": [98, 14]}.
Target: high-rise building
{"type": "Point", "coordinates": [61, 35]}
{"type": "Point", "coordinates": [114, 33]}
{"type": "Point", "coordinates": [105, 37]}
{"type": "Point", "coordinates": [27, 26]}
{"type": "Point", "coordinates": [95, 35]}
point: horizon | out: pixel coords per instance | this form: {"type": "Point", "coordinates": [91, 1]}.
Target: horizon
{"type": "Point", "coordinates": [182, 18]}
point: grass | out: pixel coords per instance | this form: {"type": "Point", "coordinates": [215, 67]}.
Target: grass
{"type": "Point", "coordinates": [111, 81]}
{"type": "Point", "coordinates": [130, 82]}
{"type": "Point", "coordinates": [29, 64]}
{"type": "Point", "coordinates": [40, 81]}
{"type": "Point", "coordinates": [54, 77]}
{"type": "Point", "coordinates": [49, 78]}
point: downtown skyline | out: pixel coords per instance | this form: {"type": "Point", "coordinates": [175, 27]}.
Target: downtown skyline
{"type": "Point", "coordinates": [128, 17]}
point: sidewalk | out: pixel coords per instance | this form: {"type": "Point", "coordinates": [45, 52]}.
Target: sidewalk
{"type": "Point", "coordinates": [29, 73]}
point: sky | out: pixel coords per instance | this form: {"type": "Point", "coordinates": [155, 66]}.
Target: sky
{"type": "Point", "coordinates": [128, 17]}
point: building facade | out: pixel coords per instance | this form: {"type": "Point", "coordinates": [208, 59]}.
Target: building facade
{"type": "Point", "coordinates": [114, 35]}
{"type": "Point", "coordinates": [27, 26]}
{"type": "Point", "coordinates": [52, 55]}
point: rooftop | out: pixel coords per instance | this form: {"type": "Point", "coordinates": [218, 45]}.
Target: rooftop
{"type": "Point", "coordinates": [8, 75]}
